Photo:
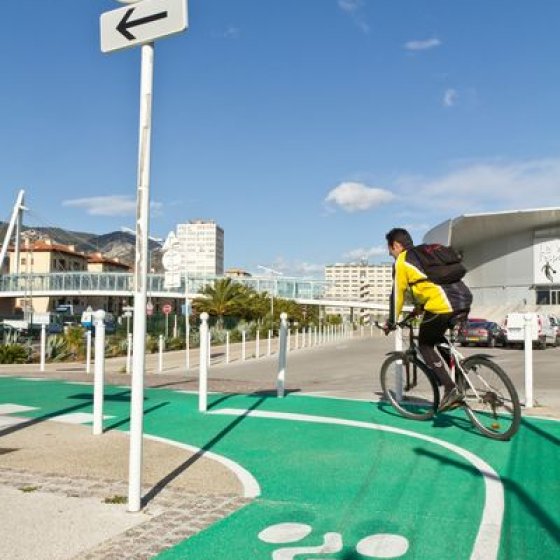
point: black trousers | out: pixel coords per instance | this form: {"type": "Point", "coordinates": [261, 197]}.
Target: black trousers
{"type": "Point", "coordinates": [432, 331]}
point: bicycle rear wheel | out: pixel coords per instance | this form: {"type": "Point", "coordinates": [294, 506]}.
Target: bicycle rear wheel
{"type": "Point", "coordinates": [408, 385]}
{"type": "Point", "coordinates": [491, 401]}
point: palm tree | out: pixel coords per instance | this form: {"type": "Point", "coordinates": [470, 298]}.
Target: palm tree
{"type": "Point", "coordinates": [223, 298]}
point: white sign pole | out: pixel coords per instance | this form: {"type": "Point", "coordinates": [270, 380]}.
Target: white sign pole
{"type": "Point", "coordinates": [282, 355]}
{"type": "Point", "coordinates": [140, 281]}
{"type": "Point", "coordinates": [203, 364]}
{"type": "Point", "coordinates": [98, 372]}
{"type": "Point", "coordinates": [160, 357]}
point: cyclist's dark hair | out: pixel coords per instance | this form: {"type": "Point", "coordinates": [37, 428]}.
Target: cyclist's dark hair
{"type": "Point", "coordinates": [400, 235]}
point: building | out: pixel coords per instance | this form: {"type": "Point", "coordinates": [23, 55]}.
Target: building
{"type": "Point", "coordinates": [512, 258]}
{"type": "Point", "coordinates": [201, 245]}
{"type": "Point", "coordinates": [358, 282]}
{"type": "Point", "coordinates": [237, 273]}
{"type": "Point", "coordinates": [44, 256]}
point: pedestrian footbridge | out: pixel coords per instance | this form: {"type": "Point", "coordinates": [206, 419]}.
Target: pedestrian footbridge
{"type": "Point", "coordinates": [303, 291]}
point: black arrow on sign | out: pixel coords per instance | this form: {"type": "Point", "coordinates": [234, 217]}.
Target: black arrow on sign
{"type": "Point", "coordinates": [124, 24]}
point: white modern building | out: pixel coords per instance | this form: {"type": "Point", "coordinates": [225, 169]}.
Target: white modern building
{"type": "Point", "coordinates": [358, 282]}
{"type": "Point", "coordinates": [201, 246]}
{"type": "Point", "coordinates": [512, 258]}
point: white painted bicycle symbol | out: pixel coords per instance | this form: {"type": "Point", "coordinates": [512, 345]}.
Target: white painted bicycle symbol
{"type": "Point", "coordinates": [381, 545]}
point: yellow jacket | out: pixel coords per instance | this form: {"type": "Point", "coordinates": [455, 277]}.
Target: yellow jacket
{"type": "Point", "coordinates": [409, 274]}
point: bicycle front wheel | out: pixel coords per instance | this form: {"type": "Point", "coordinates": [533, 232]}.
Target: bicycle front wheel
{"type": "Point", "coordinates": [491, 400]}
{"type": "Point", "coordinates": [409, 387]}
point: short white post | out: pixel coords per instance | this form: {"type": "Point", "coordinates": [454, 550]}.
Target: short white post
{"type": "Point", "coordinates": [43, 346]}
{"type": "Point", "coordinates": [315, 329]}
{"type": "Point", "coordinates": [243, 346]}
{"type": "Point", "coordinates": [269, 345]}
{"type": "Point", "coordinates": [282, 355]}
{"type": "Point", "coordinates": [175, 326]}
{"type": "Point", "coordinates": [257, 344]}
{"type": "Point", "coordinates": [362, 331]}
{"type": "Point", "coordinates": [203, 364]}
{"type": "Point", "coordinates": [128, 352]}
{"type": "Point", "coordinates": [187, 342]}
{"type": "Point", "coordinates": [399, 348]}
{"type": "Point", "coordinates": [296, 345]}
{"type": "Point", "coordinates": [160, 354]}
{"type": "Point", "coordinates": [289, 341]}
{"type": "Point", "coordinates": [98, 371]}
{"type": "Point", "coordinates": [528, 342]}
{"type": "Point", "coordinates": [88, 351]}
{"type": "Point", "coordinates": [371, 330]}
{"type": "Point", "coordinates": [209, 352]}
{"type": "Point", "coordinates": [227, 347]}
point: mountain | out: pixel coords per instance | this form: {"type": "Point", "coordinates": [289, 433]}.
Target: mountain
{"type": "Point", "coordinates": [116, 244]}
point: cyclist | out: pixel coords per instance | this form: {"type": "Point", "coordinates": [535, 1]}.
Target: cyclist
{"type": "Point", "coordinates": [444, 306]}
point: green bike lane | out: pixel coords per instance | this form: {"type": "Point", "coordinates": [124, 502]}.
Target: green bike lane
{"type": "Point", "coordinates": [354, 491]}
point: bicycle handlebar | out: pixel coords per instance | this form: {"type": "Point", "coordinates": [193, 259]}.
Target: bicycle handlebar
{"type": "Point", "coordinates": [406, 322]}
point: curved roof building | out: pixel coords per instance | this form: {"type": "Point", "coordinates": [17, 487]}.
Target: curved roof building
{"type": "Point", "coordinates": [513, 257]}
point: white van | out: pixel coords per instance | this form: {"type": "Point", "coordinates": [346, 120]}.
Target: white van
{"type": "Point", "coordinates": [542, 331]}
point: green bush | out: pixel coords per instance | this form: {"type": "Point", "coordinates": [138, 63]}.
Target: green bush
{"type": "Point", "coordinates": [56, 349]}
{"type": "Point", "coordinates": [14, 354]}
{"type": "Point", "coordinates": [175, 343]}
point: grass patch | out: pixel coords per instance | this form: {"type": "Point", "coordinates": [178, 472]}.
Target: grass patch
{"type": "Point", "coordinates": [115, 500]}
{"type": "Point", "coordinates": [28, 489]}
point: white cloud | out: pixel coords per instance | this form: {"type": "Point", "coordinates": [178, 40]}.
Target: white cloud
{"type": "Point", "coordinates": [487, 186]}
{"type": "Point", "coordinates": [366, 253]}
{"type": "Point", "coordinates": [450, 97]}
{"type": "Point", "coordinates": [423, 45]}
{"type": "Point", "coordinates": [297, 268]}
{"type": "Point", "coordinates": [354, 197]}
{"type": "Point", "coordinates": [115, 205]}
{"type": "Point", "coordinates": [232, 32]}
{"type": "Point", "coordinates": [354, 9]}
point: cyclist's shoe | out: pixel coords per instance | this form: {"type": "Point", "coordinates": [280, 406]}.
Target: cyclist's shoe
{"type": "Point", "coordinates": [451, 399]}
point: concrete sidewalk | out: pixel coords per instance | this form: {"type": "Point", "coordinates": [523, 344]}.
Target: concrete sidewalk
{"type": "Point", "coordinates": [62, 491]}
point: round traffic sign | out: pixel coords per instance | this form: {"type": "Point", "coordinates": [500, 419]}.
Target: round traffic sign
{"type": "Point", "coordinates": [167, 308]}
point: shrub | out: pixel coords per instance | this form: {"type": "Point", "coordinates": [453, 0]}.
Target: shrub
{"type": "Point", "coordinates": [56, 349]}
{"type": "Point", "coordinates": [14, 354]}
{"type": "Point", "coordinates": [175, 343]}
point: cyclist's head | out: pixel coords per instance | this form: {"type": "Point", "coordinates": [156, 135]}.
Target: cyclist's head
{"type": "Point", "coordinates": [398, 240]}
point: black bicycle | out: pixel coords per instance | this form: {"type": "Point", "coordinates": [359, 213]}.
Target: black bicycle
{"type": "Point", "coordinates": [489, 397]}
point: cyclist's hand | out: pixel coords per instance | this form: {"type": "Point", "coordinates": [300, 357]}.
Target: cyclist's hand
{"type": "Point", "coordinates": [388, 326]}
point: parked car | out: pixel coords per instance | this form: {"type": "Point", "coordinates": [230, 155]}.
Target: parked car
{"type": "Point", "coordinates": [481, 332]}
{"type": "Point", "coordinates": [542, 331]}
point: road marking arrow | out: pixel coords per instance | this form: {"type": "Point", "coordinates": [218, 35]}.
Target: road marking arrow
{"type": "Point", "coordinates": [125, 24]}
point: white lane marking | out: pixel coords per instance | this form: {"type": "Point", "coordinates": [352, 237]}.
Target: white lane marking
{"type": "Point", "coordinates": [10, 408]}
{"type": "Point", "coordinates": [283, 533]}
{"type": "Point", "coordinates": [487, 542]}
{"type": "Point", "coordinates": [7, 421]}
{"type": "Point", "coordinates": [383, 545]}
{"type": "Point", "coordinates": [79, 382]}
{"type": "Point", "coordinates": [76, 418]}
{"type": "Point", "coordinates": [35, 378]}
{"type": "Point", "coordinates": [332, 542]}
{"type": "Point", "coordinates": [251, 488]}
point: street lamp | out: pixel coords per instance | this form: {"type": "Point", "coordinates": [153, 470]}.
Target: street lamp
{"type": "Point", "coordinates": [271, 272]}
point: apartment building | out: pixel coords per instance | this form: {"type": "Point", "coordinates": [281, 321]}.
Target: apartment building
{"type": "Point", "coordinates": [201, 245]}
{"type": "Point", "coordinates": [358, 282]}
{"type": "Point", "coordinates": [44, 256]}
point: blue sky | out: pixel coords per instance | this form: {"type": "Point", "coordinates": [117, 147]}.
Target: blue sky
{"type": "Point", "coordinates": [305, 128]}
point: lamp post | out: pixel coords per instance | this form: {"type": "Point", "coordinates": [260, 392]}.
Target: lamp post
{"type": "Point", "coordinates": [271, 273]}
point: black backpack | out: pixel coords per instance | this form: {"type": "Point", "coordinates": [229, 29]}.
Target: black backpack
{"type": "Point", "coordinates": [440, 263]}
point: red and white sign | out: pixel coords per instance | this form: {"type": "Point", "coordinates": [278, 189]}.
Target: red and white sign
{"type": "Point", "coordinates": [167, 308]}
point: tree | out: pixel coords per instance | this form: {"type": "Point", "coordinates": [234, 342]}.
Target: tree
{"type": "Point", "coordinates": [225, 297]}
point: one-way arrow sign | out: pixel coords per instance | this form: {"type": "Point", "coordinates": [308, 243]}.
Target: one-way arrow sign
{"type": "Point", "coordinates": [142, 22]}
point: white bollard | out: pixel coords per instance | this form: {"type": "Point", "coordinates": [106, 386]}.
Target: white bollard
{"type": "Point", "coordinates": [399, 348]}
{"type": "Point", "coordinates": [128, 352]}
{"type": "Point", "coordinates": [528, 343]}
{"type": "Point", "coordinates": [88, 351]}
{"type": "Point", "coordinates": [243, 346]}
{"type": "Point", "coordinates": [288, 342]}
{"type": "Point", "coordinates": [187, 343]}
{"type": "Point", "coordinates": [160, 353]}
{"type": "Point", "coordinates": [362, 331]}
{"type": "Point", "coordinates": [209, 353]}
{"type": "Point", "coordinates": [43, 347]}
{"type": "Point", "coordinates": [203, 364]}
{"type": "Point", "coordinates": [98, 371]}
{"type": "Point", "coordinates": [269, 345]}
{"type": "Point", "coordinates": [227, 347]}
{"type": "Point", "coordinates": [257, 344]}
{"type": "Point", "coordinates": [282, 355]}
{"type": "Point", "coordinates": [175, 326]}
{"type": "Point", "coordinates": [296, 345]}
